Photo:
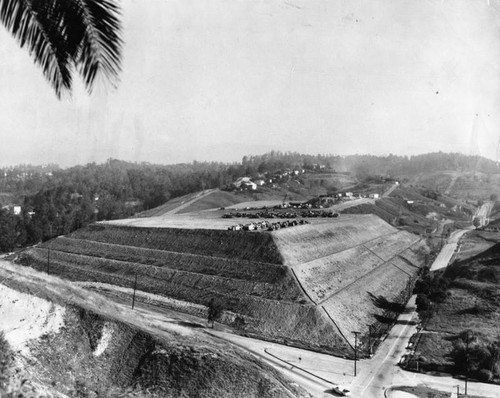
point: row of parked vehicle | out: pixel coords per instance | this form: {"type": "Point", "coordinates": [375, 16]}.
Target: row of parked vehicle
{"type": "Point", "coordinates": [266, 225]}
{"type": "Point", "coordinates": [282, 214]}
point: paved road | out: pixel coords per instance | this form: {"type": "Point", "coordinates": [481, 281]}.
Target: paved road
{"type": "Point", "coordinates": [378, 373]}
{"type": "Point", "coordinates": [446, 253]}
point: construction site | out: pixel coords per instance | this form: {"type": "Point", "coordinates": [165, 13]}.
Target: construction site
{"type": "Point", "coordinates": [310, 286]}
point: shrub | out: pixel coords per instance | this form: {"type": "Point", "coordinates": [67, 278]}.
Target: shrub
{"type": "Point", "coordinates": [484, 375]}
{"type": "Point", "coordinates": [5, 362]}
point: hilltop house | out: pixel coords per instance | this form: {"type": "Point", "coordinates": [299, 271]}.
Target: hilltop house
{"type": "Point", "coordinates": [244, 183]}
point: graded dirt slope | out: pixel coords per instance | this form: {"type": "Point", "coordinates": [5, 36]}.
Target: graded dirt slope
{"type": "Point", "coordinates": [241, 271]}
{"type": "Point", "coordinates": [309, 242]}
{"type": "Point", "coordinates": [342, 265]}
{"type": "Point", "coordinates": [305, 285]}
{"type": "Point", "coordinates": [353, 306]}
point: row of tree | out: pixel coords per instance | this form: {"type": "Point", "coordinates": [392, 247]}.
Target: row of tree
{"type": "Point", "coordinates": [56, 201]}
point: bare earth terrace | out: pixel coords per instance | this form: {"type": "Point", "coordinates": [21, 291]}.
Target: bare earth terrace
{"type": "Point", "coordinates": [307, 285]}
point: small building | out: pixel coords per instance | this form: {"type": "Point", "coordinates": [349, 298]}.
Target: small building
{"type": "Point", "coordinates": [374, 196]}
{"type": "Point", "coordinates": [248, 185]}
{"type": "Point", "coordinates": [244, 183]}
{"type": "Point", "coordinates": [260, 182]}
{"type": "Point", "coordinates": [493, 226]}
{"type": "Point", "coordinates": [348, 194]}
{"type": "Point", "coordinates": [16, 210]}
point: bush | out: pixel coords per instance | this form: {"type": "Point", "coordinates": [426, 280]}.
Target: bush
{"type": "Point", "coordinates": [487, 274]}
{"type": "Point", "coordinates": [5, 362]}
{"type": "Point", "coordinates": [423, 303]}
{"type": "Point", "coordinates": [484, 375]}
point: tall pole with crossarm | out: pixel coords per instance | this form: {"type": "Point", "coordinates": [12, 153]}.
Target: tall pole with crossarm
{"type": "Point", "coordinates": [355, 350]}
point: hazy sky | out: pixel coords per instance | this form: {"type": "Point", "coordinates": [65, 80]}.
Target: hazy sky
{"type": "Point", "coordinates": [218, 79]}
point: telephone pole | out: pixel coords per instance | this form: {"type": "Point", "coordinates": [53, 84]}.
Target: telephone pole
{"type": "Point", "coordinates": [135, 287]}
{"type": "Point", "coordinates": [48, 261]}
{"type": "Point", "coordinates": [466, 360]}
{"type": "Point", "coordinates": [355, 350]}
{"type": "Point", "coordinates": [369, 340]}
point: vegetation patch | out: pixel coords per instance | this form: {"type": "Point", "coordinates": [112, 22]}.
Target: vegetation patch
{"type": "Point", "coordinates": [461, 312]}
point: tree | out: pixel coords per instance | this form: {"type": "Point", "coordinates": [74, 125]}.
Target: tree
{"type": "Point", "coordinates": [214, 311]}
{"type": "Point", "coordinates": [62, 35]}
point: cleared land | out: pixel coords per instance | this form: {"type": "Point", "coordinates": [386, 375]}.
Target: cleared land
{"type": "Point", "coordinates": [298, 285]}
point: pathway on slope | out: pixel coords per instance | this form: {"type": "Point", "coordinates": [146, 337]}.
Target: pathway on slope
{"type": "Point", "coordinates": [201, 195]}
{"type": "Point", "coordinates": [454, 178]}
{"type": "Point", "coordinates": [390, 190]}
{"type": "Point", "coordinates": [352, 203]}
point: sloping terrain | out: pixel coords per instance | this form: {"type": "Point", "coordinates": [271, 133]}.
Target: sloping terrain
{"type": "Point", "coordinates": [344, 266]}
{"type": "Point", "coordinates": [469, 310]}
{"type": "Point", "coordinates": [74, 343]}
{"type": "Point", "coordinates": [296, 285]}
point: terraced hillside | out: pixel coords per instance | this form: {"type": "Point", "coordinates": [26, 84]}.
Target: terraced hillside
{"type": "Point", "coordinates": [348, 265]}
{"type": "Point", "coordinates": [307, 286]}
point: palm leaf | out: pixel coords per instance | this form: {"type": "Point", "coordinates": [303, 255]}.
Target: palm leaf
{"type": "Point", "coordinates": [101, 44]}
{"type": "Point", "coordinates": [64, 34]}
{"type": "Point", "coordinates": [32, 28]}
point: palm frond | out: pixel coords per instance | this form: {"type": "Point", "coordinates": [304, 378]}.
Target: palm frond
{"type": "Point", "coordinates": [65, 34]}
{"type": "Point", "coordinates": [31, 26]}
{"type": "Point", "coordinates": [101, 45]}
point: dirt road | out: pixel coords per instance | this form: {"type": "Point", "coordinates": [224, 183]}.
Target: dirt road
{"type": "Point", "coordinates": [389, 191]}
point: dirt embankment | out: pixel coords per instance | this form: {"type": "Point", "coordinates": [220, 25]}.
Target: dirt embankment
{"type": "Point", "coordinates": [300, 286]}
{"type": "Point", "coordinates": [197, 266]}
{"type": "Point", "coordinates": [217, 243]}
{"type": "Point", "coordinates": [89, 354]}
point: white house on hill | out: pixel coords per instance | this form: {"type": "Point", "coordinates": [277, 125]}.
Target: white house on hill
{"type": "Point", "coordinates": [244, 183]}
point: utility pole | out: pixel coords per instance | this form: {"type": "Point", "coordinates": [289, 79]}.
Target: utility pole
{"type": "Point", "coordinates": [355, 350]}
{"type": "Point", "coordinates": [369, 340]}
{"type": "Point", "coordinates": [135, 287]}
{"type": "Point", "coordinates": [466, 360]}
{"type": "Point", "coordinates": [48, 261]}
